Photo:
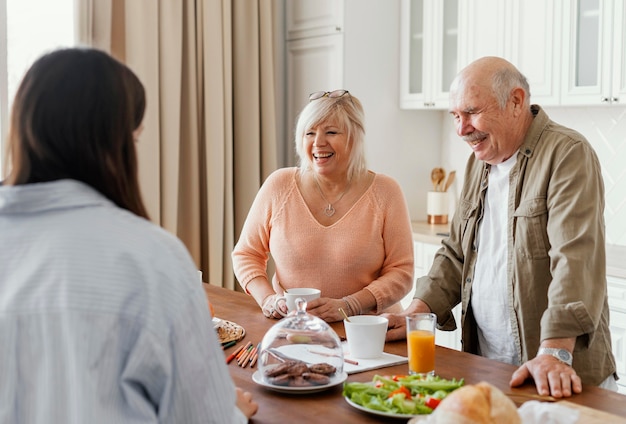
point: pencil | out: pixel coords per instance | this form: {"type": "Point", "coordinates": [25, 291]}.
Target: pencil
{"type": "Point", "coordinates": [229, 344]}
{"type": "Point", "coordinates": [249, 358]}
{"type": "Point", "coordinates": [253, 362]}
{"type": "Point", "coordinates": [256, 355]}
{"type": "Point", "coordinates": [232, 355]}
{"type": "Point", "coordinates": [245, 356]}
{"type": "Point", "coordinates": [240, 354]}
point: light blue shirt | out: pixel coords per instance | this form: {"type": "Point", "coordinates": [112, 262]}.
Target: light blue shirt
{"type": "Point", "coordinates": [102, 318]}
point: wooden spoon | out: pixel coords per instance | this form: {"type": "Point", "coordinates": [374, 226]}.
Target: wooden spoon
{"type": "Point", "coordinates": [450, 180]}
{"type": "Point", "coordinates": [441, 180]}
{"type": "Point", "coordinates": [436, 176]}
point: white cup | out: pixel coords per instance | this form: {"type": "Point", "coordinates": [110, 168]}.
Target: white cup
{"type": "Point", "coordinates": [290, 296]}
{"type": "Point", "coordinates": [366, 336]}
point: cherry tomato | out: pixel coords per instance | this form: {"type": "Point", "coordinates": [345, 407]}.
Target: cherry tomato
{"type": "Point", "coordinates": [432, 402]}
{"type": "Point", "coordinates": [401, 389]}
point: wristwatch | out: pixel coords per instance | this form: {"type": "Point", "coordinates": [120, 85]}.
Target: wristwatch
{"type": "Point", "coordinates": [560, 354]}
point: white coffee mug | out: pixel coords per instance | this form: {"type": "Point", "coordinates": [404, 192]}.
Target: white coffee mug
{"type": "Point", "coordinates": [290, 296]}
{"type": "Point", "coordinates": [366, 336]}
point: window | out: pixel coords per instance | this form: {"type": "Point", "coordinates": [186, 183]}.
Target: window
{"type": "Point", "coordinates": [28, 28]}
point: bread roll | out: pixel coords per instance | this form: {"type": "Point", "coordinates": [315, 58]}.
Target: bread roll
{"type": "Point", "coordinates": [481, 403]}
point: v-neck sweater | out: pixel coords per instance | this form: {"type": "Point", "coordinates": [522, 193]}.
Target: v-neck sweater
{"type": "Point", "coordinates": [370, 247]}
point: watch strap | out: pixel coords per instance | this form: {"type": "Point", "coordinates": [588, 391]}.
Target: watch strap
{"type": "Point", "coordinates": [560, 354]}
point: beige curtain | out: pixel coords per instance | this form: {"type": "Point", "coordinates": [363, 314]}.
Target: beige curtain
{"type": "Point", "coordinates": [210, 127]}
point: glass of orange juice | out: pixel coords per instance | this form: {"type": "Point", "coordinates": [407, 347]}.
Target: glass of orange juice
{"type": "Point", "coordinates": [420, 338]}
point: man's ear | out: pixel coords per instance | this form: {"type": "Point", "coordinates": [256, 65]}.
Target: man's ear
{"type": "Point", "coordinates": [518, 97]}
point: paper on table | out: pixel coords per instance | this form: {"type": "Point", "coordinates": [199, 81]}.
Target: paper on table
{"type": "Point", "coordinates": [386, 360]}
{"type": "Point", "coordinates": [312, 354]}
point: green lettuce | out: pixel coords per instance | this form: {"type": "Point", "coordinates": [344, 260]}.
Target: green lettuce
{"type": "Point", "coordinates": [383, 394]}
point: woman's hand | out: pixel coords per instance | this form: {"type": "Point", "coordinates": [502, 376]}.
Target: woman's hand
{"type": "Point", "coordinates": [245, 403]}
{"type": "Point", "coordinates": [268, 307]}
{"type": "Point", "coordinates": [326, 308]}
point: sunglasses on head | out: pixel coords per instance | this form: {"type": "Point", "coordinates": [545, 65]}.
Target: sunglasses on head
{"type": "Point", "coordinates": [330, 94]}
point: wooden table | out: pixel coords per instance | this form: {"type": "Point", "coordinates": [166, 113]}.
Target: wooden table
{"type": "Point", "coordinates": [331, 406]}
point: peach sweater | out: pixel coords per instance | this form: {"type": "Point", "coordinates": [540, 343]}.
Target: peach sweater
{"type": "Point", "coordinates": [370, 247]}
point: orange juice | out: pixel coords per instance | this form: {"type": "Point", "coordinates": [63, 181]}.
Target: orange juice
{"type": "Point", "coordinates": [421, 347]}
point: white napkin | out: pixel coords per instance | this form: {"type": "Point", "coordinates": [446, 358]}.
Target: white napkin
{"type": "Point", "coordinates": [534, 411]}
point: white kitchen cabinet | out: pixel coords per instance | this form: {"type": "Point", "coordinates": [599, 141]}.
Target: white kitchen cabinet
{"type": "Point", "coordinates": [593, 52]}
{"type": "Point", "coordinates": [483, 28]}
{"type": "Point", "coordinates": [524, 32]}
{"type": "Point", "coordinates": [572, 52]}
{"type": "Point", "coordinates": [429, 52]}
{"type": "Point", "coordinates": [532, 43]}
{"type": "Point", "coordinates": [306, 18]}
{"type": "Point", "coordinates": [424, 255]}
{"type": "Point", "coordinates": [618, 86]}
{"type": "Point", "coordinates": [617, 305]}
{"type": "Point", "coordinates": [439, 39]}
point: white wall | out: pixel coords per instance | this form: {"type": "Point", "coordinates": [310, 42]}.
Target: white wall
{"type": "Point", "coordinates": [405, 145]}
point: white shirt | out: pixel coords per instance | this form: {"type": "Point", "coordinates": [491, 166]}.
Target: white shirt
{"type": "Point", "coordinates": [102, 318]}
{"type": "Point", "coordinates": [490, 289]}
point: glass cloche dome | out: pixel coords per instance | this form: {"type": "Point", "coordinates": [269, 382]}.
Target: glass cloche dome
{"type": "Point", "coordinates": [301, 351]}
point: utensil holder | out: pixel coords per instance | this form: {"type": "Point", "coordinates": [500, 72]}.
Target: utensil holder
{"type": "Point", "coordinates": [437, 207]}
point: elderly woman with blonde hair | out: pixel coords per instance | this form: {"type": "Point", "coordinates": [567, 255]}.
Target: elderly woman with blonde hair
{"type": "Point", "coordinates": [330, 223]}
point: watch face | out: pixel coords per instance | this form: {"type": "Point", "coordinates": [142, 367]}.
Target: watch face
{"type": "Point", "coordinates": [564, 355]}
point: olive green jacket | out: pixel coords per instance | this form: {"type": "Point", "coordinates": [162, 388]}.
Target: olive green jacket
{"type": "Point", "coordinates": [556, 272]}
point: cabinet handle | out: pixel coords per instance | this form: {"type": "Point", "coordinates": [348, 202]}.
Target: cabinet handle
{"type": "Point", "coordinates": [615, 100]}
{"type": "Point", "coordinates": [604, 100]}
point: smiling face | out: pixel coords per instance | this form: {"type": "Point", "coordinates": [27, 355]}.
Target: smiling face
{"type": "Point", "coordinates": [326, 145]}
{"type": "Point", "coordinates": [329, 137]}
{"type": "Point", "coordinates": [494, 131]}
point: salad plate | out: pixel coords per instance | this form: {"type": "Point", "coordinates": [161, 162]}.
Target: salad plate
{"type": "Point", "coordinates": [339, 378]}
{"type": "Point", "coordinates": [406, 396]}
{"type": "Point", "coordinates": [416, 418]}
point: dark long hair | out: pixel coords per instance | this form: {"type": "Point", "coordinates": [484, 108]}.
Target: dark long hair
{"type": "Point", "coordinates": [73, 117]}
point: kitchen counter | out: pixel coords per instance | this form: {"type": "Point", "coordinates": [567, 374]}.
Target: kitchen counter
{"type": "Point", "coordinates": [429, 233]}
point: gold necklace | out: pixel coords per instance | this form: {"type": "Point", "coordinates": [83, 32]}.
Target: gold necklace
{"type": "Point", "coordinates": [330, 210]}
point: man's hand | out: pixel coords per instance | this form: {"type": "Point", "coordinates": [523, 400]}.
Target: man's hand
{"type": "Point", "coordinates": [552, 377]}
{"type": "Point", "coordinates": [396, 329]}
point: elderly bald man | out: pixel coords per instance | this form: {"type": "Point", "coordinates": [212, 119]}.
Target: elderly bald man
{"type": "Point", "coordinates": [526, 251]}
